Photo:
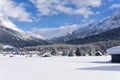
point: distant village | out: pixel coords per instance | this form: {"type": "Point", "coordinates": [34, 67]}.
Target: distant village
{"type": "Point", "coordinates": [52, 50]}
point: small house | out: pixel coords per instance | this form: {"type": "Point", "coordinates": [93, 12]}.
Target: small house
{"type": "Point", "coordinates": [115, 54]}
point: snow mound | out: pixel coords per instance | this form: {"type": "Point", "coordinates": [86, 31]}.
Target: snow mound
{"type": "Point", "coordinates": [8, 47]}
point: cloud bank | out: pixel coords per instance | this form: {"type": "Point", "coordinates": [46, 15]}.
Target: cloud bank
{"type": "Point", "coordinates": [14, 10]}
{"type": "Point", "coordinates": [117, 6]}
{"type": "Point", "coordinates": [54, 7]}
{"type": "Point", "coordinates": [55, 32]}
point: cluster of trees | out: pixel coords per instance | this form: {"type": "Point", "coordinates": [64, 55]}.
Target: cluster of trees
{"type": "Point", "coordinates": [91, 49]}
{"type": "Point", "coordinates": [67, 50]}
{"type": "Point", "coordinates": [78, 50]}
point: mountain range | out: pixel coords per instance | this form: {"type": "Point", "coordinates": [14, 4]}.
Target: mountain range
{"type": "Point", "coordinates": [106, 29]}
{"type": "Point", "coordinates": [10, 34]}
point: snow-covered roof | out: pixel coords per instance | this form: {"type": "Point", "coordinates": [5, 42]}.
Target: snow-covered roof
{"type": "Point", "coordinates": [8, 47]}
{"type": "Point", "coordinates": [114, 50]}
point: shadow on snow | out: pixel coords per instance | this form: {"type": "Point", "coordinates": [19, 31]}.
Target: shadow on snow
{"type": "Point", "coordinates": [103, 68]}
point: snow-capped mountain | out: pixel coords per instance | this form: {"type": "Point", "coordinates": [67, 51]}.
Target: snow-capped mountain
{"type": "Point", "coordinates": [107, 24]}
{"type": "Point", "coordinates": [10, 34]}
{"type": "Point", "coordinates": [25, 35]}
{"type": "Point", "coordinates": [91, 29]}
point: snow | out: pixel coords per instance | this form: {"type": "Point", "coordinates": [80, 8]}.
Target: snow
{"type": "Point", "coordinates": [33, 35]}
{"type": "Point", "coordinates": [114, 50]}
{"type": "Point", "coordinates": [8, 47]}
{"type": "Point", "coordinates": [94, 28]}
{"type": "Point", "coordinates": [4, 21]}
{"type": "Point", "coordinates": [58, 68]}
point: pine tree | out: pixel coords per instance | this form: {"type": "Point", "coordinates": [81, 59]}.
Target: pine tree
{"type": "Point", "coordinates": [78, 52]}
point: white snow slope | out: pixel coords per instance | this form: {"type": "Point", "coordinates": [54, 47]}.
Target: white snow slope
{"type": "Point", "coordinates": [58, 68]}
{"type": "Point", "coordinates": [95, 28]}
{"type": "Point", "coordinates": [4, 21]}
{"type": "Point", "coordinates": [109, 23]}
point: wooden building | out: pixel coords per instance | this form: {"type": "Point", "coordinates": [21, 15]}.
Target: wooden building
{"type": "Point", "coordinates": [115, 54]}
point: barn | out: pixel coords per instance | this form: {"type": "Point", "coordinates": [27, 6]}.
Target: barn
{"type": "Point", "coordinates": [115, 54]}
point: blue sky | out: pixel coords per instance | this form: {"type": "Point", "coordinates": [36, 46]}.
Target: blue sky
{"type": "Point", "coordinates": [52, 18]}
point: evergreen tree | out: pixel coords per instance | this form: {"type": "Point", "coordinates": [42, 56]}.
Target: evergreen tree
{"type": "Point", "coordinates": [71, 53]}
{"type": "Point", "coordinates": [78, 52]}
{"type": "Point", "coordinates": [53, 52]}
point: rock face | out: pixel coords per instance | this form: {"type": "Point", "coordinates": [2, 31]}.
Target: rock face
{"type": "Point", "coordinates": [12, 35]}
{"type": "Point", "coordinates": [102, 27]}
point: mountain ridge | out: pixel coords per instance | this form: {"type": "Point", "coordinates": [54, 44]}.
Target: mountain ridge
{"type": "Point", "coordinates": [10, 34]}
{"type": "Point", "coordinates": [91, 29]}
{"type": "Point", "coordinates": [110, 35]}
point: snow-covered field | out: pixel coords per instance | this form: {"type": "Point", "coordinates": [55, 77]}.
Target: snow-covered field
{"type": "Point", "coordinates": [58, 68]}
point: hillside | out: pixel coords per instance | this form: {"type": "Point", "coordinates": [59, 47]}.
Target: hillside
{"type": "Point", "coordinates": [113, 34]}
{"type": "Point", "coordinates": [93, 32]}
{"type": "Point", "coordinates": [10, 34]}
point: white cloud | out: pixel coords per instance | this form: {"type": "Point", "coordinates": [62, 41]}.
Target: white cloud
{"type": "Point", "coordinates": [53, 7]}
{"type": "Point", "coordinates": [55, 32]}
{"type": "Point", "coordinates": [14, 10]}
{"type": "Point", "coordinates": [115, 6]}
{"type": "Point", "coordinates": [97, 12]}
